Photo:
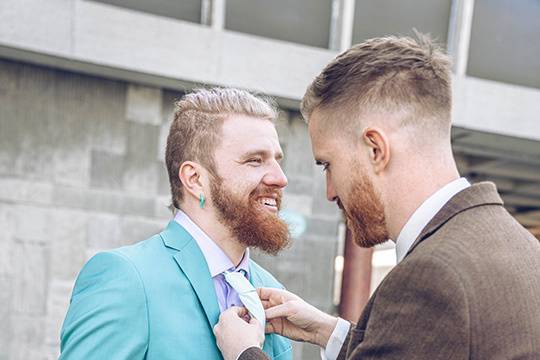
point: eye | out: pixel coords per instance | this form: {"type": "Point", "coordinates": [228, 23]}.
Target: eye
{"type": "Point", "coordinates": [254, 161]}
{"type": "Point", "coordinates": [325, 166]}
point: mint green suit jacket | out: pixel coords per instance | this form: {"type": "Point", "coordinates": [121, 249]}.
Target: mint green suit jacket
{"type": "Point", "coordinates": [152, 300]}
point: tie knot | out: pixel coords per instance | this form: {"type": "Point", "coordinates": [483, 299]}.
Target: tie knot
{"type": "Point", "coordinates": [242, 271]}
{"type": "Point", "coordinates": [235, 271]}
{"type": "Point", "coordinates": [247, 293]}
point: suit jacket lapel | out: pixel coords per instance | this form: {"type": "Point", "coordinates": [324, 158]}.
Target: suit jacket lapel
{"type": "Point", "coordinates": [484, 193]}
{"type": "Point", "coordinates": [191, 261]}
{"type": "Point", "coordinates": [254, 277]}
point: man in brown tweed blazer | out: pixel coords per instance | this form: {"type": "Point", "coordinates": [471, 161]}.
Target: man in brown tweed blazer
{"type": "Point", "coordinates": [467, 282]}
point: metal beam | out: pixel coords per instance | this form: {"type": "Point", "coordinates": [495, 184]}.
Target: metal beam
{"type": "Point", "coordinates": [459, 34]}
{"type": "Point", "coordinates": [530, 188]}
{"type": "Point", "coordinates": [341, 26]}
{"type": "Point", "coordinates": [494, 153]}
{"type": "Point", "coordinates": [518, 171]}
{"type": "Point", "coordinates": [213, 13]}
{"type": "Point", "coordinates": [529, 218]}
{"type": "Point", "coordinates": [503, 185]}
{"type": "Point", "coordinates": [521, 201]}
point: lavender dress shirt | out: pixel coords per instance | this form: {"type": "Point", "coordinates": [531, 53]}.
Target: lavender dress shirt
{"type": "Point", "coordinates": [217, 261]}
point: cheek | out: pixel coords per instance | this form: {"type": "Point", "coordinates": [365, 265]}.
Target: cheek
{"type": "Point", "coordinates": [244, 184]}
{"type": "Point", "coordinates": [337, 180]}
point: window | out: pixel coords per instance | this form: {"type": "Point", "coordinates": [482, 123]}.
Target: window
{"type": "Point", "coordinates": [505, 43]}
{"type": "Point", "coordinates": [187, 10]}
{"type": "Point", "coordinates": [302, 21]}
{"type": "Point", "coordinates": [375, 18]}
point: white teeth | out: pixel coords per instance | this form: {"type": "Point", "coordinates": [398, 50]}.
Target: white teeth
{"type": "Point", "coordinates": [268, 201]}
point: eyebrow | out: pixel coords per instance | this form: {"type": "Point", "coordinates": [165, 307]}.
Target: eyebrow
{"type": "Point", "coordinates": [263, 153]}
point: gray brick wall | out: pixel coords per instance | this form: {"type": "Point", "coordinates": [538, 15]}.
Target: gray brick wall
{"type": "Point", "coordinates": [81, 170]}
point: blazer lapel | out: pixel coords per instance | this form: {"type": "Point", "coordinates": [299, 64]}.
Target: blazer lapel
{"type": "Point", "coordinates": [192, 263]}
{"type": "Point", "coordinates": [483, 193]}
{"type": "Point", "coordinates": [254, 277]}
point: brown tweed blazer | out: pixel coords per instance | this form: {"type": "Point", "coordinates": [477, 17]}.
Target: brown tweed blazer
{"type": "Point", "coordinates": [469, 288]}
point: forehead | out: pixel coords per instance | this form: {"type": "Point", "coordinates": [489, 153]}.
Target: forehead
{"type": "Point", "coordinates": [241, 133]}
{"type": "Point", "coordinates": [322, 135]}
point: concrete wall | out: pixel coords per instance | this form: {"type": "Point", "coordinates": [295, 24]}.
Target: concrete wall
{"type": "Point", "coordinates": [81, 170]}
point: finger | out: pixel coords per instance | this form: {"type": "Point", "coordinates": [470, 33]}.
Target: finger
{"type": "Point", "coordinates": [273, 294]}
{"type": "Point", "coordinates": [269, 328]}
{"type": "Point", "coordinates": [239, 311]}
{"type": "Point", "coordinates": [264, 293]}
{"type": "Point", "coordinates": [266, 304]}
{"type": "Point", "coordinates": [243, 312]}
{"type": "Point", "coordinates": [278, 311]}
{"type": "Point", "coordinates": [274, 326]}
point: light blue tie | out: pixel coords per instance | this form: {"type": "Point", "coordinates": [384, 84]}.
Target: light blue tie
{"type": "Point", "coordinates": [247, 294]}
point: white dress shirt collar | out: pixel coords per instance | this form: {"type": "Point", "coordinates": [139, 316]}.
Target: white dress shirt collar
{"type": "Point", "coordinates": [423, 215]}
{"type": "Point", "coordinates": [216, 259]}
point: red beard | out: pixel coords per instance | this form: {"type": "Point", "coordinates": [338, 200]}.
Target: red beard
{"type": "Point", "coordinates": [365, 214]}
{"type": "Point", "coordinates": [249, 223]}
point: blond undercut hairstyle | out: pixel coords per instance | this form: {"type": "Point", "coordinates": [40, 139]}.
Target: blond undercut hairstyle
{"type": "Point", "coordinates": [196, 128]}
{"type": "Point", "coordinates": [401, 75]}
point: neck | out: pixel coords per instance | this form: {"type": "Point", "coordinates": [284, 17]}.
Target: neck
{"type": "Point", "coordinates": [207, 220]}
{"type": "Point", "coordinates": [414, 185]}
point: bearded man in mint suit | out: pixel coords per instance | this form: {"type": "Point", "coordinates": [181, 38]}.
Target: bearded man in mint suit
{"type": "Point", "coordinates": [160, 298]}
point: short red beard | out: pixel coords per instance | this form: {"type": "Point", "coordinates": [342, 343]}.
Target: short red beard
{"type": "Point", "coordinates": [365, 214]}
{"type": "Point", "coordinates": [251, 225]}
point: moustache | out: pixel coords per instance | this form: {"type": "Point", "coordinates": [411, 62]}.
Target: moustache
{"type": "Point", "coordinates": [267, 191]}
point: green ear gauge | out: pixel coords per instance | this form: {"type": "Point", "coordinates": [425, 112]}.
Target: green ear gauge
{"type": "Point", "coordinates": [201, 201]}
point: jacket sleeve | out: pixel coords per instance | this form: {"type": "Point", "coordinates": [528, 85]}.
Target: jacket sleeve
{"type": "Point", "coordinates": [343, 351]}
{"type": "Point", "coordinates": [253, 353]}
{"type": "Point", "coordinates": [419, 312]}
{"type": "Point", "coordinates": [107, 316]}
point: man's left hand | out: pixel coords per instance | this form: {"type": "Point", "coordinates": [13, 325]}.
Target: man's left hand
{"type": "Point", "coordinates": [234, 334]}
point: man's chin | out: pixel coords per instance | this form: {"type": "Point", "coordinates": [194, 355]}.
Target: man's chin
{"type": "Point", "coordinates": [258, 226]}
{"type": "Point", "coordinates": [366, 238]}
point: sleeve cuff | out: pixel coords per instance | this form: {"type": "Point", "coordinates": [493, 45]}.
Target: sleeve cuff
{"type": "Point", "coordinates": [335, 343]}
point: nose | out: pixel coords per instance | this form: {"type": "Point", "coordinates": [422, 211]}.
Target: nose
{"type": "Point", "coordinates": [330, 193]}
{"type": "Point", "coordinates": [276, 176]}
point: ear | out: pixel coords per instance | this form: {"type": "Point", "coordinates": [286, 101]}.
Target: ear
{"type": "Point", "coordinates": [190, 175]}
{"type": "Point", "coordinates": [379, 148]}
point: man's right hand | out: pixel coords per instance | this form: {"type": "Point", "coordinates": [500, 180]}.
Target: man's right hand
{"type": "Point", "coordinates": [290, 316]}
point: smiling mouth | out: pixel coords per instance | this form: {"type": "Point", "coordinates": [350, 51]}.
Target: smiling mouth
{"type": "Point", "coordinates": [268, 203]}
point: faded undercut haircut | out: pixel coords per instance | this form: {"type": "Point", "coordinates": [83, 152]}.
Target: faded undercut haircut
{"type": "Point", "coordinates": [401, 75]}
{"type": "Point", "coordinates": [196, 128]}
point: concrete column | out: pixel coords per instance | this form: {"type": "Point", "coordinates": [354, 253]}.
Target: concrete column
{"type": "Point", "coordinates": [341, 26]}
{"type": "Point", "coordinates": [459, 34]}
{"type": "Point", "coordinates": [356, 283]}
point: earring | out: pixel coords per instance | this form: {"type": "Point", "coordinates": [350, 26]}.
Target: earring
{"type": "Point", "coordinates": [201, 201]}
